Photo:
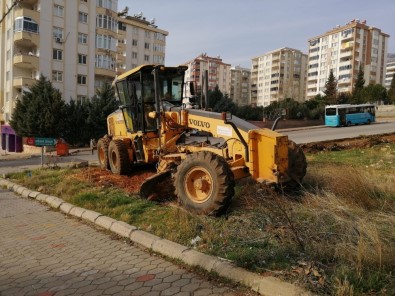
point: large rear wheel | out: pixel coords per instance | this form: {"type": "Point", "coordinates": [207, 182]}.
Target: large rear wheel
{"type": "Point", "coordinates": [102, 152]}
{"type": "Point", "coordinates": [118, 157]}
{"type": "Point", "coordinates": [204, 183]}
{"type": "Point", "coordinates": [297, 164]}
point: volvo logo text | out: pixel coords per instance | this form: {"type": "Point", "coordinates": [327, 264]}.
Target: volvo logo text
{"type": "Point", "coordinates": [199, 123]}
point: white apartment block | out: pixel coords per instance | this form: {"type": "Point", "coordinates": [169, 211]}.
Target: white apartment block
{"type": "Point", "coordinates": [77, 44]}
{"type": "Point", "coordinates": [240, 85]}
{"type": "Point", "coordinates": [390, 71]}
{"type": "Point", "coordinates": [343, 50]}
{"type": "Point", "coordinates": [218, 73]}
{"type": "Point", "coordinates": [278, 75]}
{"type": "Point", "coordinates": [139, 42]}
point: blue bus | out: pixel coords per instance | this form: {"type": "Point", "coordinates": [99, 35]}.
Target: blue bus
{"type": "Point", "coordinates": [346, 114]}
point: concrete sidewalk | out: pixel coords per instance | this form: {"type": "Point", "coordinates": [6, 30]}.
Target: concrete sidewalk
{"type": "Point", "coordinates": [260, 284]}
{"type": "Point", "coordinates": [43, 252]}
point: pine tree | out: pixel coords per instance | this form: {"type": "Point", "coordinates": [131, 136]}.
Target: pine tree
{"type": "Point", "coordinates": [39, 112]}
{"type": "Point", "coordinates": [331, 88]}
{"type": "Point", "coordinates": [357, 95]}
{"type": "Point", "coordinates": [391, 91]}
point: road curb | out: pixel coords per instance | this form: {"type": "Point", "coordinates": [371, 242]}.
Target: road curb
{"type": "Point", "coordinates": [263, 285]}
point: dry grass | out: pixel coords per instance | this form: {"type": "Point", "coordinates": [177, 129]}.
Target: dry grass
{"type": "Point", "coordinates": [335, 237]}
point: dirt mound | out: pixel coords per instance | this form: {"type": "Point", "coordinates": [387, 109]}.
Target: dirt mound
{"type": "Point", "coordinates": [344, 144]}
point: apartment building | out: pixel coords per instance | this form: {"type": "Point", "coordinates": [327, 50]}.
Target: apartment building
{"type": "Point", "coordinates": [77, 44]}
{"type": "Point", "coordinates": [277, 75]}
{"type": "Point", "coordinates": [240, 85]}
{"type": "Point", "coordinates": [390, 70]}
{"type": "Point", "coordinates": [139, 42]}
{"type": "Point", "coordinates": [344, 50]}
{"type": "Point", "coordinates": [218, 73]}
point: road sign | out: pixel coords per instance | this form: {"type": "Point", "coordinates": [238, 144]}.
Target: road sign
{"type": "Point", "coordinates": [30, 141]}
{"type": "Point", "coordinates": [44, 142]}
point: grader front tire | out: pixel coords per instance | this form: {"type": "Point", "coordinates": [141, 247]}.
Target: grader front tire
{"type": "Point", "coordinates": [118, 157]}
{"type": "Point", "coordinates": [297, 164]}
{"type": "Point", "coordinates": [204, 183]}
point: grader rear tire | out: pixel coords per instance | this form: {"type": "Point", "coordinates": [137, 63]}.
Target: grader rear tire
{"type": "Point", "coordinates": [118, 157]}
{"type": "Point", "coordinates": [204, 183]}
{"type": "Point", "coordinates": [297, 164]}
{"type": "Point", "coordinates": [102, 153]}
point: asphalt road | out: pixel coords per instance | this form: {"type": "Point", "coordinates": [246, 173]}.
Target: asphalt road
{"type": "Point", "coordinates": [317, 134]}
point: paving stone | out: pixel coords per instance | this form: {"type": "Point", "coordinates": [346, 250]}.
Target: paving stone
{"type": "Point", "coordinates": [46, 252]}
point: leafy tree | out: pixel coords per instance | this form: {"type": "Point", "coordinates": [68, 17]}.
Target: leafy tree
{"type": "Point", "coordinates": [88, 119]}
{"type": "Point", "coordinates": [40, 112]}
{"type": "Point", "coordinates": [391, 92]}
{"type": "Point", "coordinates": [344, 98]}
{"type": "Point", "coordinates": [76, 132]}
{"type": "Point", "coordinates": [373, 93]}
{"type": "Point", "coordinates": [101, 105]}
{"type": "Point", "coordinates": [331, 88]}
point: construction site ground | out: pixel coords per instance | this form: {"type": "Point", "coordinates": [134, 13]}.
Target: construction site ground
{"type": "Point", "coordinates": [131, 183]}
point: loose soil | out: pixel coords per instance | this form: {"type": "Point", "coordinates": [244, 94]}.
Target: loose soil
{"type": "Point", "coordinates": [131, 184]}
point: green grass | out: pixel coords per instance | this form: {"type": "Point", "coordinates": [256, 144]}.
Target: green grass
{"type": "Point", "coordinates": [336, 237]}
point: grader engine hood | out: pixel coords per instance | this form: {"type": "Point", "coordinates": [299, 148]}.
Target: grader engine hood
{"type": "Point", "coordinates": [265, 152]}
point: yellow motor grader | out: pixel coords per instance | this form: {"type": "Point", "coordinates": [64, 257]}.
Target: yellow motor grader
{"type": "Point", "coordinates": [202, 152]}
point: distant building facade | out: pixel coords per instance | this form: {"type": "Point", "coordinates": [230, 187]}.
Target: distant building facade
{"type": "Point", "coordinates": [344, 50]}
{"type": "Point", "coordinates": [218, 73]}
{"type": "Point", "coordinates": [139, 42]}
{"type": "Point", "coordinates": [390, 70]}
{"type": "Point", "coordinates": [278, 75]}
{"type": "Point", "coordinates": [240, 81]}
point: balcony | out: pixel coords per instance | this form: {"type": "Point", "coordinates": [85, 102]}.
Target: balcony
{"type": "Point", "coordinates": [18, 82]}
{"type": "Point", "coordinates": [26, 61]}
{"type": "Point", "coordinates": [26, 39]}
{"type": "Point", "coordinates": [105, 72]}
{"type": "Point", "coordinates": [33, 14]}
{"type": "Point", "coordinates": [347, 46]}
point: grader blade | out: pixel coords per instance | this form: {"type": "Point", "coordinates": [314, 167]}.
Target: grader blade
{"type": "Point", "coordinates": [153, 187]}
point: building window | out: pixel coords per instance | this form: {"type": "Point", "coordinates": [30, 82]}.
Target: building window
{"type": "Point", "coordinates": [81, 79]}
{"type": "Point", "coordinates": [105, 62]}
{"type": "Point", "coordinates": [83, 17]}
{"type": "Point", "coordinates": [57, 76]}
{"type": "Point", "coordinates": [57, 54]}
{"type": "Point", "coordinates": [58, 10]}
{"type": "Point", "coordinates": [25, 23]}
{"type": "Point", "coordinates": [106, 22]}
{"type": "Point", "coordinates": [7, 75]}
{"type": "Point", "coordinates": [57, 32]}
{"type": "Point", "coordinates": [134, 42]}
{"type": "Point", "coordinates": [81, 99]}
{"type": "Point", "coordinates": [146, 58]}
{"type": "Point", "coordinates": [82, 59]}
{"type": "Point", "coordinates": [121, 26]}
{"type": "Point", "coordinates": [146, 45]}
{"type": "Point", "coordinates": [106, 42]}
{"type": "Point", "coordinates": [147, 34]}
{"type": "Point", "coordinates": [134, 55]}
{"type": "Point", "coordinates": [105, 3]}
{"type": "Point", "coordinates": [82, 38]}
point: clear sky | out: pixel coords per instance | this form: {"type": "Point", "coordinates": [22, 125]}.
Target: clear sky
{"type": "Point", "coordinates": [238, 30]}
